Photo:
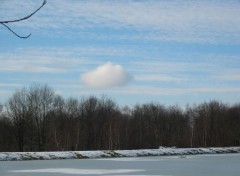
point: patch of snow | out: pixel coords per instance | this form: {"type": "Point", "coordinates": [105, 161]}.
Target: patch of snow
{"type": "Point", "coordinates": [162, 151]}
{"type": "Point", "coordinates": [94, 154]}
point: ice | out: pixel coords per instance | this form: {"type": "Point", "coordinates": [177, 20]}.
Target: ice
{"type": "Point", "coordinates": [79, 171]}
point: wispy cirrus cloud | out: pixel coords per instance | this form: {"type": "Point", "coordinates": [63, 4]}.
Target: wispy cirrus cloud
{"type": "Point", "coordinates": [228, 76]}
{"type": "Point", "coordinates": [12, 62]}
{"type": "Point", "coordinates": [189, 21]}
{"type": "Point", "coordinates": [9, 84]}
{"type": "Point", "coordinates": [160, 77]}
{"type": "Point", "coordinates": [177, 48]}
{"type": "Point", "coordinates": [154, 90]}
{"type": "Point", "coordinates": [56, 60]}
{"type": "Point", "coordinates": [151, 90]}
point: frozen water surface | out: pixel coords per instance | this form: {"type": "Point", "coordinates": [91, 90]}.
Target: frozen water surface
{"type": "Point", "coordinates": [197, 165]}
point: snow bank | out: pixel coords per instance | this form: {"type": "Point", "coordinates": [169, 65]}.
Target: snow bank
{"type": "Point", "coordinates": [162, 151]}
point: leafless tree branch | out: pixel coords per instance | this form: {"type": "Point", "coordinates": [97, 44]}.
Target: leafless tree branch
{"type": "Point", "coordinates": [4, 23]}
{"type": "Point", "coordinates": [23, 37]}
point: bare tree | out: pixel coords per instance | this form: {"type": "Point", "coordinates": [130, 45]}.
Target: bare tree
{"type": "Point", "coordinates": [35, 119]}
{"type": "Point", "coordinates": [57, 123]}
{"type": "Point", "coordinates": [4, 23]}
{"type": "Point", "coordinates": [42, 103]}
{"type": "Point", "coordinates": [73, 123]}
{"type": "Point", "coordinates": [18, 111]}
{"type": "Point", "coordinates": [1, 108]}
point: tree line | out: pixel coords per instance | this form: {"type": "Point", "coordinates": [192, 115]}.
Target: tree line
{"type": "Point", "coordinates": [37, 119]}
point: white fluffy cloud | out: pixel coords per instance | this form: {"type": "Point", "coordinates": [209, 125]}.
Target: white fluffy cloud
{"type": "Point", "coordinates": [106, 76]}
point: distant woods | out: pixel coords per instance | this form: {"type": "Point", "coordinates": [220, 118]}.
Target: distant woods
{"type": "Point", "coordinates": [37, 119]}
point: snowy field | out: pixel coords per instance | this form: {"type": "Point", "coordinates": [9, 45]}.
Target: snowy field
{"type": "Point", "coordinates": [162, 151]}
{"type": "Point", "coordinates": [191, 165]}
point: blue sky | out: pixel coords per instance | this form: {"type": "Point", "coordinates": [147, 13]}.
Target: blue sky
{"type": "Point", "coordinates": [171, 52]}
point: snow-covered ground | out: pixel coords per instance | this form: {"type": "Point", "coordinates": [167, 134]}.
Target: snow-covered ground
{"type": "Point", "coordinates": [162, 151]}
